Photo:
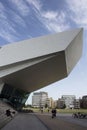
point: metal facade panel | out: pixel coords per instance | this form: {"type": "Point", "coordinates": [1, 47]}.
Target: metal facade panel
{"type": "Point", "coordinates": [36, 63]}
{"type": "Point", "coordinates": [36, 47]}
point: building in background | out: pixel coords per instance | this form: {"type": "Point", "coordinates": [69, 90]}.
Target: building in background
{"type": "Point", "coordinates": [76, 103]}
{"type": "Point", "coordinates": [51, 102]}
{"type": "Point", "coordinates": [69, 100]}
{"type": "Point", "coordinates": [48, 102]}
{"type": "Point", "coordinates": [39, 99]}
{"type": "Point", "coordinates": [55, 103]}
{"type": "Point", "coordinates": [83, 102]}
{"type": "Point", "coordinates": [60, 103]}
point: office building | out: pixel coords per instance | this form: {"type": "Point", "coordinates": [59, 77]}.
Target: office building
{"type": "Point", "coordinates": [69, 100]}
{"type": "Point", "coordinates": [60, 103]}
{"type": "Point", "coordinates": [84, 102]}
{"type": "Point", "coordinates": [76, 103]}
{"type": "Point", "coordinates": [39, 99]}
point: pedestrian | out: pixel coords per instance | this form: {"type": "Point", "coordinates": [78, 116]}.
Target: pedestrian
{"type": "Point", "coordinates": [8, 113]}
{"type": "Point", "coordinates": [53, 113]}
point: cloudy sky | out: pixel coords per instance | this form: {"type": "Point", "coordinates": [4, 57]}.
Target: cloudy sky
{"type": "Point", "coordinates": [25, 19]}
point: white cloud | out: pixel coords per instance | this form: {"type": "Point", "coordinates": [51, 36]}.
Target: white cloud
{"type": "Point", "coordinates": [36, 3]}
{"type": "Point", "coordinates": [2, 13]}
{"type": "Point", "coordinates": [51, 20]}
{"type": "Point", "coordinates": [54, 21]}
{"type": "Point", "coordinates": [50, 15]}
{"type": "Point", "coordinates": [8, 24]}
{"type": "Point", "coordinates": [21, 6]}
{"type": "Point", "coordinates": [17, 19]}
{"type": "Point", "coordinates": [8, 36]}
{"type": "Point", "coordinates": [56, 27]}
{"type": "Point", "coordinates": [1, 7]}
{"type": "Point", "coordinates": [79, 11]}
{"type": "Point", "coordinates": [6, 30]}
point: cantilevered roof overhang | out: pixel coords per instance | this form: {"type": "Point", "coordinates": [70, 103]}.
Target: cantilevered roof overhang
{"type": "Point", "coordinates": [35, 63]}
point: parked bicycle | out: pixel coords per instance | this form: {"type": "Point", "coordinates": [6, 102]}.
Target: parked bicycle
{"type": "Point", "coordinates": [79, 115]}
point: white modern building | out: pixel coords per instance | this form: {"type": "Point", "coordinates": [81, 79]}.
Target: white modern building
{"type": "Point", "coordinates": [39, 99]}
{"type": "Point", "coordinates": [69, 100]}
{"type": "Point", "coordinates": [31, 64]}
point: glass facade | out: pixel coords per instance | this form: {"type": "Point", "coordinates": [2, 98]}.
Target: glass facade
{"type": "Point", "coordinates": [14, 96]}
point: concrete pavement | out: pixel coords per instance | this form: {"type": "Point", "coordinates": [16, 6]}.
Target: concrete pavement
{"type": "Point", "coordinates": [25, 122]}
{"type": "Point", "coordinates": [61, 123]}
{"type": "Point", "coordinates": [43, 122]}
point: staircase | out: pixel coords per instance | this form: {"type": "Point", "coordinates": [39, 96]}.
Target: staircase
{"type": "Point", "coordinates": [4, 119]}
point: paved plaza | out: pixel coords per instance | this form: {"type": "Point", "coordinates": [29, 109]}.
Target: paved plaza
{"type": "Point", "coordinates": [44, 122]}
{"type": "Point", "coordinates": [25, 122]}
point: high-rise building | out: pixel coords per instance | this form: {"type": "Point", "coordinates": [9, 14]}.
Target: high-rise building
{"type": "Point", "coordinates": [39, 99]}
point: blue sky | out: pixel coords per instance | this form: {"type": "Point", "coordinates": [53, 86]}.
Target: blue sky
{"type": "Point", "coordinates": [25, 19]}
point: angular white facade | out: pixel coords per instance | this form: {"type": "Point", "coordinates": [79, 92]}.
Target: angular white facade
{"type": "Point", "coordinates": [35, 63]}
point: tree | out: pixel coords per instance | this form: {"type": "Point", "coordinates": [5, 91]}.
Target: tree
{"type": "Point", "coordinates": [46, 105]}
{"type": "Point", "coordinates": [64, 106]}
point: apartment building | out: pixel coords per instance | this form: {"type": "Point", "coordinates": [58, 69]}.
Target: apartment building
{"type": "Point", "coordinates": [39, 99]}
{"type": "Point", "coordinates": [60, 103]}
{"type": "Point", "coordinates": [69, 100]}
{"type": "Point", "coordinates": [76, 103]}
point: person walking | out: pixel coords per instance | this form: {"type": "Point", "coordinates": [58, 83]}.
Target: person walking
{"type": "Point", "coordinates": [8, 113]}
{"type": "Point", "coordinates": [53, 113]}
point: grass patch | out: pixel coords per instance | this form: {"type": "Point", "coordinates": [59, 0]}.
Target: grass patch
{"type": "Point", "coordinates": [65, 111]}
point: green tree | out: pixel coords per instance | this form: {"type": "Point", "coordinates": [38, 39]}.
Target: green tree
{"type": "Point", "coordinates": [46, 105]}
